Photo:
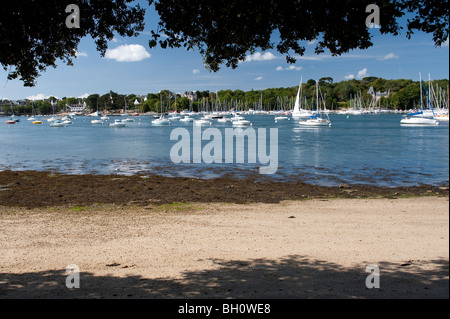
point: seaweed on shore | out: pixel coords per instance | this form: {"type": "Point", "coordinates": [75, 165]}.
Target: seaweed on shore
{"type": "Point", "coordinates": [48, 189]}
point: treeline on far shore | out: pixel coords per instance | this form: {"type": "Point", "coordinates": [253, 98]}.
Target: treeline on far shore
{"type": "Point", "coordinates": [396, 94]}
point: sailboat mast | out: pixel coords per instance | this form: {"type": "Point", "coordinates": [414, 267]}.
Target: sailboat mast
{"type": "Point", "coordinates": [317, 96]}
{"type": "Point", "coordinates": [421, 94]}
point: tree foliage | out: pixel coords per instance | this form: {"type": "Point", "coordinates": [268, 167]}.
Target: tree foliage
{"type": "Point", "coordinates": [34, 36]}
{"type": "Point", "coordinates": [404, 94]}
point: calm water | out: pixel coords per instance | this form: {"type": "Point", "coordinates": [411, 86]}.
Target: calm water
{"type": "Point", "coordinates": [367, 149]}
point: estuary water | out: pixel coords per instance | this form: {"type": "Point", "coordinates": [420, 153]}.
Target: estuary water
{"type": "Point", "coordinates": [369, 149]}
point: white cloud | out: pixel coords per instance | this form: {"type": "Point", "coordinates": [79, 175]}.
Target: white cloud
{"type": "Point", "coordinates": [323, 57]}
{"type": "Point", "coordinates": [38, 97]}
{"type": "Point", "coordinates": [388, 57]}
{"type": "Point", "coordinates": [313, 57]}
{"type": "Point", "coordinates": [349, 77]}
{"type": "Point", "coordinates": [289, 68]}
{"type": "Point", "coordinates": [362, 73]}
{"type": "Point", "coordinates": [312, 42]}
{"type": "Point", "coordinates": [85, 95]}
{"type": "Point", "coordinates": [260, 57]}
{"type": "Point", "coordinates": [259, 78]}
{"type": "Point", "coordinates": [445, 44]}
{"type": "Point", "coordinates": [195, 71]}
{"type": "Point", "coordinates": [128, 53]}
{"type": "Point", "coordinates": [83, 54]}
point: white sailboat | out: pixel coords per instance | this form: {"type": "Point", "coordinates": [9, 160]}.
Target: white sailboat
{"type": "Point", "coordinates": [316, 120]}
{"type": "Point", "coordinates": [418, 118]}
{"type": "Point", "coordinates": [33, 117]}
{"type": "Point", "coordinates": [161, 121]}
{"type": "Point", "coordinates": [298, 112]}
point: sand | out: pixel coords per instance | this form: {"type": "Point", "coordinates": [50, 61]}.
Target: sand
{"type": "Point", "coordinates": [293, 249]}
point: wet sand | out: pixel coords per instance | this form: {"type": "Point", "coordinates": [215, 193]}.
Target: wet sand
{"type": "Point", "coordinates": [316, 248]}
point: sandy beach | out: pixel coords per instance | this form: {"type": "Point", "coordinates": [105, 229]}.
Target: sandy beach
{"type": "Point", "coordinates": [317, 248]}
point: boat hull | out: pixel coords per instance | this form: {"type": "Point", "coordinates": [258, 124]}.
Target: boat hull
{"type": "Point", "coordinates": [317, 123]}
{"type": "Point", "coordinates": [241, 123]}
{"type": "Point", "coordinates": [202, 123]}
{"type": "Point", "coordinates": [161, 122]}
{"type": "Point", "coordinates": [419, 121]}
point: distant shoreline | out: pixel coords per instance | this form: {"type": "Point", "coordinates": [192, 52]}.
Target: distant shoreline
{"type": "Point", "coordinates": [34, 189]}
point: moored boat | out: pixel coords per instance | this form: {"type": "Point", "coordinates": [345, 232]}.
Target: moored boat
{"type": "Point", "coordinates": [241, 123]}
{"type": "Point", "coordinates": [316, 120]}
{"type": "Point", "coordinates": [419, 118]}
{"type": "Point", "coordinates": [58, 123]}
{"type": "Point", "coordinates": [202, 122]}
{"type": "Point", "coordinates": [161, 121]}
{"type": "Point", "coordinates": [118, 123]}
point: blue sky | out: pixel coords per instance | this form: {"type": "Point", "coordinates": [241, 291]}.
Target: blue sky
{"type": "Point", "coordinates": [130, 67]}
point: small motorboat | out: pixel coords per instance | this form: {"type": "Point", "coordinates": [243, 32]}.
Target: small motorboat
{"type": "Point", "coordinates": [58, 123]}
{"type": "Point", "coordinates": [52, 119]}
{"type": "Point", "coordinates": [202, 122]}
{"type": "Point", "coordinates": [96, 122]}
{"type": "Point", "coordinates": [37, 122]}
{"type": "Point", "coordinates": [187, 119]}
{"type": "Point", "coordinates": [11, 122]}
{"type": "Point", "coordinates": [223, 120]}
{"type": "Point", "coordinates": [161, 121]}
{"type": "Point", "coordinates": [118, 123]}
{"type": "Point", "coordinates": [316, 121]}
{"type": "Point", "coordinates": [281, 118]}
{"type": "Point", "coordinates": [241, 123]}
{"type": "Point", "coordinates": [237, 118]}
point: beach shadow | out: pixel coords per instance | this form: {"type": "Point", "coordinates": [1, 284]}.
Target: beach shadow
{"type": "Point", "coordinates": [292, 277]}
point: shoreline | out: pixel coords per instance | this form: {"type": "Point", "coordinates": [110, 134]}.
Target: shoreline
{"type": "Point", "coordinates": [32, 189]}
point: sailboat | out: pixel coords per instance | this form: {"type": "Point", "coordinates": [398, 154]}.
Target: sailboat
{"type": "Point", "coordinates": [160, 121]}
{"type": "Point", "coordinates": [418, 118]}
{"type": "Point", "coordinates": [298, 112]}
{"type": "Point", "coordinates": [12, 120]}
{"type": "Point", "coordinates": [33, 117]}
{"type": "Point", "coordinates": [316, 120]}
